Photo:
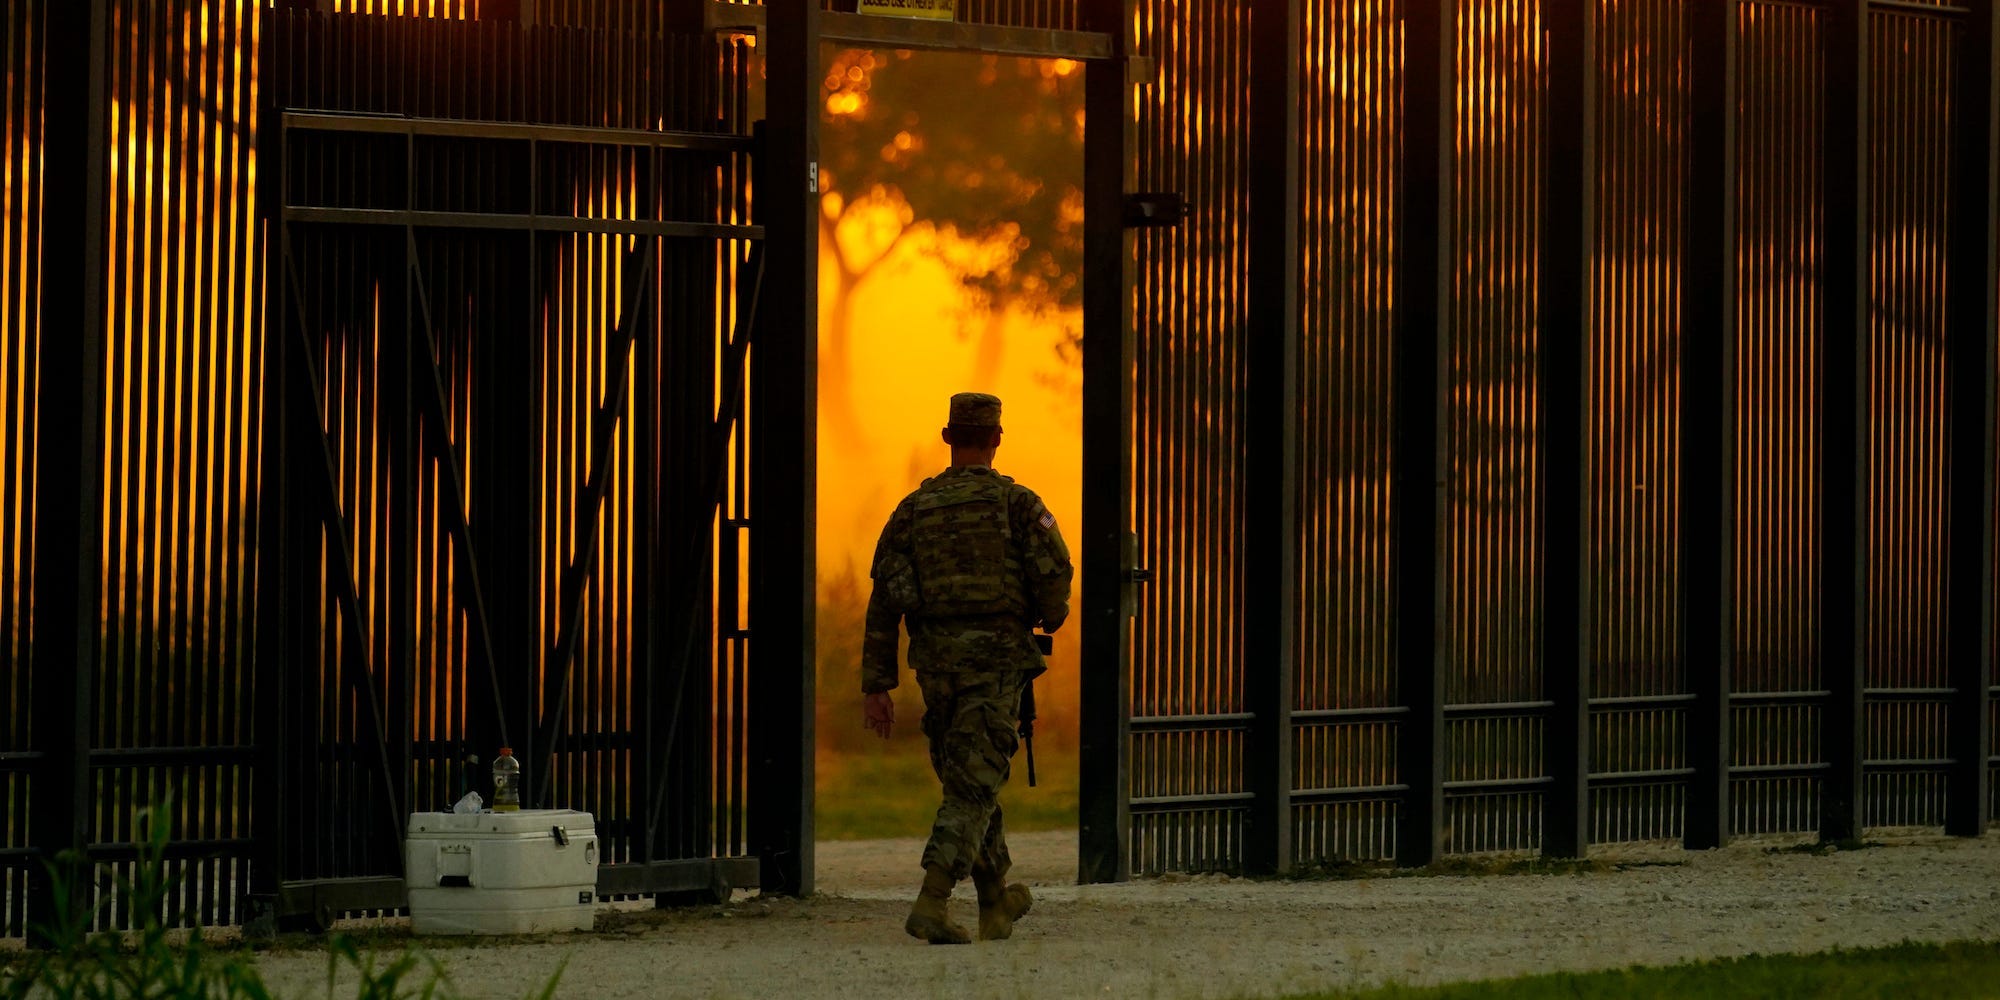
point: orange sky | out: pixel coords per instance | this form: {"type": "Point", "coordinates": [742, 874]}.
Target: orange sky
{"type": "Point", "coordinates": [916, 341]}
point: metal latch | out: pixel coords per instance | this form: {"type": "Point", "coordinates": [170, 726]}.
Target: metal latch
{"type": "Point", "coordinates": [561, 834]}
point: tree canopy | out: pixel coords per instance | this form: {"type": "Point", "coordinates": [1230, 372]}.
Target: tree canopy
{"type": "Point", "coordinates": [985, 148]}
{"type": "Point", "coordinates": [974, 160]}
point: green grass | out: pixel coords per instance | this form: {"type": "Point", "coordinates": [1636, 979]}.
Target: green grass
{"type": "Point", "coordinates": [157, 963]}
{"type": "Point", "coordinates": [891, 792]}
{"type": "Point", "coordinates": [1899, 972]}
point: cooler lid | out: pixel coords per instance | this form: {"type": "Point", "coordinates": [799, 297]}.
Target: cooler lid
{"type": "Point", "coordinates": [524, 821]}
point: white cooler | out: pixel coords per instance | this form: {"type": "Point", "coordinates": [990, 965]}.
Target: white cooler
{"type": "Point", "coordinates": [523, 872]}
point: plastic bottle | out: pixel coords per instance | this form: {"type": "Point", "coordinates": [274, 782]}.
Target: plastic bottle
{"type": "Point", "coordinates": [506, 782]}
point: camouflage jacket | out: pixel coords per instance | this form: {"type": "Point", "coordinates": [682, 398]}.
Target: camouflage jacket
{"type": "Point", "coordinates": [971, 559]}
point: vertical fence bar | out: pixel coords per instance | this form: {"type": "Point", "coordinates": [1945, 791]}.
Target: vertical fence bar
{"type": "Point", "coordinates": [1563, 416]}
{"type": "Point", "coordinates": [1843, 415]}
{"type": "Point", "coordinates": [1425, 276]}
{"type": "Point", "coordinates": [1272, 550]}
{"type": "Point", "coordinates": [1970, 319]}
{"type": "Point", "coordinates": [783, 473]}
{"type": "Point", "coordinates": [1707, 414]}
{"type": "Point", "coordinates": [1104, 782]}
{"type": "Point", "coordinates": [67, 507]}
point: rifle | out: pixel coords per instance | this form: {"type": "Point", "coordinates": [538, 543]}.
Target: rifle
{"type": "Point", "coordinates": [1047, 645]}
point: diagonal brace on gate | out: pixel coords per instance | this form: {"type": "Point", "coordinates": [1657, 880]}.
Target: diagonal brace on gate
{"type": "Point", "coordinates": [583, 556]}
{"type": "Point", "coordinates": [444, 451]}
{"type": "Point", "coordinates": [735, 361]}
{"type": "Point", "coordinates": [353, 666]}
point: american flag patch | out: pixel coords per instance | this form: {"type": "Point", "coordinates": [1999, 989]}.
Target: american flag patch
{"type": "Point", "coordinates": [1048, 520]}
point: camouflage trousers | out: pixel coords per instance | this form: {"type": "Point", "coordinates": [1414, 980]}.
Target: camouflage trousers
{"type": "Point", "coordinates": [972, 720]}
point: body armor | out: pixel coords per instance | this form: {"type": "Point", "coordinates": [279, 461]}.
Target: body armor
{"type": "Point", "coordinates": [962, 549]}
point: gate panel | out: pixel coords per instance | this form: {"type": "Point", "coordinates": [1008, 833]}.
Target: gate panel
{"type": "Point", "coordinates": [1775, 710]}
{"type": "Point", "coordinates": [1912, 79]}
{"type": "Point", "coordinates": [1495, 713]}
{"type": "Point", "coordinates": [1345, 717]}
{"type": "Point", "coordinates": [589, 332]}
{"type": "Point", "coordinates": [1188, 717]}
{"type": "Point", "coordinates": [1638, 684]}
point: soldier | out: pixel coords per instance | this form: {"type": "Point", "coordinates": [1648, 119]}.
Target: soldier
{"type": "Point", "coordinates": [973, 562]}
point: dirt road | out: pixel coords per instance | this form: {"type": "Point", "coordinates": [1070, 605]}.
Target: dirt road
{"type": "Point", "coordinates": [1212, 936]}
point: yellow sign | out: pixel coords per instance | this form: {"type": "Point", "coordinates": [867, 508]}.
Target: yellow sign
{"type": "Point", "coordinates": [933, 10]}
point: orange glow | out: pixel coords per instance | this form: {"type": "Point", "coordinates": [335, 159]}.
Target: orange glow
{"type": "Point", "coordinates": [900, 331]}
{"type": "Point", "coordinates": [917, 339]}
{"type": "Point", "coordinates": [182, 350]}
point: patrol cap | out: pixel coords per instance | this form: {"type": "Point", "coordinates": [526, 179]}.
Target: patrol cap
{"type": "Point", "coordinates": [975, 409]}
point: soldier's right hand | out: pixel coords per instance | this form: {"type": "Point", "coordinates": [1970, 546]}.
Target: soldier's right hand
{"type": "Point", "coordinates": [878, 713]}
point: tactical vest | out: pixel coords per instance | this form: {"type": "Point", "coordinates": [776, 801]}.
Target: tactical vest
{"type": "Point", "coordinates": [962, 545]}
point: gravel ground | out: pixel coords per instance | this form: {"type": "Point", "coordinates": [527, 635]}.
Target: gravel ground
{"type": "Point", "coordinates": [1213, 936]}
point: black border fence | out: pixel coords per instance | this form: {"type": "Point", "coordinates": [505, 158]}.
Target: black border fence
{"type": "Point", "coordinates": [1509, 426]}
{"type": "Point", "coordinates": [1555, 423]}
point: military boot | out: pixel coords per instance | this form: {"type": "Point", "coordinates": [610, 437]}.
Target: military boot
{"type": "Point", "coordinates": [928, 920]}
{"type": "Point", "coordinates": [1000, 904]}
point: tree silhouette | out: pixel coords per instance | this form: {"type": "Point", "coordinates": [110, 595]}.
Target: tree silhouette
{"type": "Point", "coordinates": [975, 159]}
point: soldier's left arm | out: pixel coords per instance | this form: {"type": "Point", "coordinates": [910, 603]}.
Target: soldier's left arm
{"type": "Point", "coordinates": [887, 604]}
{"type": "Point", "coordinates": [1045, 559]}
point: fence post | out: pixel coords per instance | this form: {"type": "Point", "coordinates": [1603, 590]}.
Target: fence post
{"type": "Point", "coordinates": [1424, 272]}
{"type": "Point", "coordinates": [784, 408]}
{"type": "Point", "coordinates": [1563, 413]}
{"type": "Point", "coordinates": [70, 389]}
{"type": "Point", "coordinates": [1104, 784]}
{"type": "Point", "coordinates": [1271, 552]}
{"type": "Point", "coordinates": [1707, 416]}
{"type": "Point", "coordinates": [1845, 292]}
{"type": "Point", "coordinates": [1970, 320]}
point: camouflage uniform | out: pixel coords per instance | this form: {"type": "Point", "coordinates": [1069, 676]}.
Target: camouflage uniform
{"type": "Point", "coordinates": [974, 562]}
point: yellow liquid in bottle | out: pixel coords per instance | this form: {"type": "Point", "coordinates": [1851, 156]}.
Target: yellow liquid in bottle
{"type": "Point", "coordinates": [506, 785]}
